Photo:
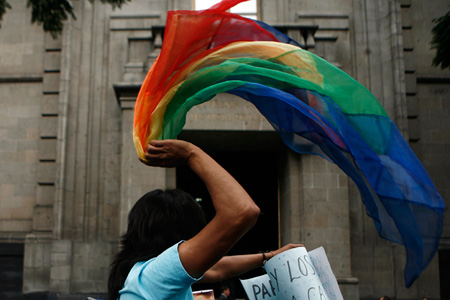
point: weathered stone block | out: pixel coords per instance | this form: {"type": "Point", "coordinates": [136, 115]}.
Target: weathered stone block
{"type": "Point", "coordinates": [25, 190]}
{"type": "Point", "coordinates": [337, 194]}
{"type": "Point", "coordinates": [43, 218]}
{"type": "Point", "coordinates": [315, 194]}
{"type": "Point", "coordinates": [45, 195]}
{"type": "Point", "coordinates": [308, 181]}
{"type": "Point", "coordinates": [79, 274]}
{"type": "Point", "coordinates": [37, 253]}
{"type": "Point", "coordinates": [50, 104]}
{"type": "Point", "coordinates": [350, 291]}
{"type": "Point", "coordinates": [410, 83]}
{"type": "Point", "coordinates": [409, 60]}
{"type": "Point", "coordinates": [413, 106]}
{"type": "Point", "coordinates": [51, 43]}
{"type": "Point", "coordinates": [343, 181]}
{"type": "Point", "coordinates": [62, 246]}
{"type": "Point", "coordinates": [36, 279]}
{"type": "Point", "coordinates": [315, 220]}
{"type": "Point", "coordinates": [60, 273]}
{"type": "Point", "coordinates": [61, 259]}
{"type": "Point", "coordinates": [46, 172]}
{"type": "Point", "coordinates": [7, 191]}
{"type": "Point", "coordinates": [340, 263]}
{"type": "Point", "coordinates": [319, 180]}
{"type": "Point", "coordinates": [26, 112]}
{"type": "Point", "coordinates": [47, 149]}
{"type": "Point", "coordinates": [414, 129]}
{"type": "Point", "coordinates": [383, 282]}
{"type": "Point", "coordinates": [340, 221]}
{"type": "Point", "coordinates": [51, 83]}
{"type": "Point", "coordinates": [97, 274]}
{"type": "Point", "coordinates": [317, 164]}
{"type": "Point", "coordinates": [49, 126]}
{"type": "Point", "coordinates": [57, 285]}
{"type": "Point", "coordinates": [52, 61]}
{"type": "Point", "coordinates": [383, 258]}
{"type": "Point", "coordinates": [405, 2]}
{"type": "Point", "coordinates": [16, 225]}
{"type": "Point", "coordinates": [314, 238]}
{"type": "Point", "coordinates": [406, 15]}
{"type": "Point", "coordinates": [408, 40]}
{"type": "Point", "coordinates": [24, 210]}
{"type": "Point", "coordinates": [439, 136]}
{"type": "Point", "coordinates": [84, 286]}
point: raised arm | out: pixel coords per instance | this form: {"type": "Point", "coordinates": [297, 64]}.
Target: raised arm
{"type": "Point", "coordinates": [236, 212]}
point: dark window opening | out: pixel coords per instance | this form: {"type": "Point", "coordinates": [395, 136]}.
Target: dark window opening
{"type": "Point", "coordinates": [11, 270]}
{"type": "Point", "coordinates": [444, 273]}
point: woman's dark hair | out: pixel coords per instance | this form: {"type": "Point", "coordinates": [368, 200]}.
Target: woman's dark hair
{"type": "Point", "coordinates": [158, 220]}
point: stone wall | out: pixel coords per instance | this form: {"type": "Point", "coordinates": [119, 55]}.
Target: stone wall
{"type": "Point", "coordinates": [69, 171]}
{"type": "Point", "coordinates": [431, 92]}
{"type": "Point", "coordinates": [21, 84]}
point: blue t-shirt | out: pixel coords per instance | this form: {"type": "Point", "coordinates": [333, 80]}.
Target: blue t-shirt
{"type": "Point", "coordinates": [160, 278]}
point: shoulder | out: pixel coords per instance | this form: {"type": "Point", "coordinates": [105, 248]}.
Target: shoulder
{"type": "Point", "coordinates": [159, 278]}
{"type": "Point", "coordinates": [165, 264]}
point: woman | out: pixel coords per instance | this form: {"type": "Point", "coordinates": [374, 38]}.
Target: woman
{"type": "Point", "coordinates": [167, 248]}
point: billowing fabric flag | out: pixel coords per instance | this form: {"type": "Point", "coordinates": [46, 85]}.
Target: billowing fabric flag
{"type": "Point", "coordinates": [314, 106]}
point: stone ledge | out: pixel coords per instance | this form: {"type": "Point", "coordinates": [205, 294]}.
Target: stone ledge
{"type": "Point", "coordinates": [13, 237]}
{"type": "Point", "coordinates": [21, 78]}
{"type": "Point", "coordinates": [348, 280]}
{"type": "Point", "coordinates": [134, 22]}
{"type": "Point", "coordinates": [126, 93]}
{"type": "Point", "coordinates": [434, 80]}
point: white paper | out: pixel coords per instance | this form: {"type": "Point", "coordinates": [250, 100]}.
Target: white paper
{"type": "Point", "coordinates": [294, 276]}
{"type": "Point", "coordinates": [322, 265]}
{"type": "Point", "coordinates": [259, 288]}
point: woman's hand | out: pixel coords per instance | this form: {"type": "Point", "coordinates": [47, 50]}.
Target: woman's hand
{"type": "Point", "coordinates": [167, 153]}
{"type": "Point", "coordinates": [284, 248]}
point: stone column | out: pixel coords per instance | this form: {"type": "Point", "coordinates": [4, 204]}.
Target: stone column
{"type": "Point", "coordinates": [38, 242]}
{"type": "Point", "coordinates": [314, 211]}
{"type": "Point", "coordinates": [137, 179]}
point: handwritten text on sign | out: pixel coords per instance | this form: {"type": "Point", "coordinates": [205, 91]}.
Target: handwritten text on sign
{"type": "Point", "coordinates": [259, 288]}
{"type": "Point", "coordinates": [298, 281]}
{"type": "Point", "coordinates": [294, 277]}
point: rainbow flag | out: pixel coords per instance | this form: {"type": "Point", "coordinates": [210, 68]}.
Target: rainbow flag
{"type": "Point", "coordinates": [314, 106]}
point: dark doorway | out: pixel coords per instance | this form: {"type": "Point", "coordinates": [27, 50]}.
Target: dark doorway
{"type": "Point", "coordinates": [11, 271]}
{"type": "Point", "coordinates": [256, 171]}
{"type": "Point", "coordinates": [444, 273]}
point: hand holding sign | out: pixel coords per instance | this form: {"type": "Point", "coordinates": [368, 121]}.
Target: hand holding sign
{"type": "Point", "coordinates": [295, 275]}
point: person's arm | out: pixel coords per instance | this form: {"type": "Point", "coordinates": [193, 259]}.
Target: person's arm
{"type": "Point", "coordinates": [231, 266]}
{"type": "Point", "coordinates": [236, 212]}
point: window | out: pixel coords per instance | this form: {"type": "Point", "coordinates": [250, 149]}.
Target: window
{"type": "Point", "coordinates": [248, 9]}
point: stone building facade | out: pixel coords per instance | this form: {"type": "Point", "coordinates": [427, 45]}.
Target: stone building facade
{"type": "Point", "coordinates": [69, 172]}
